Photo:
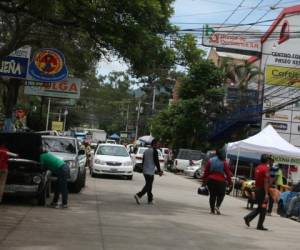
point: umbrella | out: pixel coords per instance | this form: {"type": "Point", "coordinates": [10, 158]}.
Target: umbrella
{"type": "Point", "coordinates": [146, 139]}
{"type": "Point", "coordinates": [114, 137]}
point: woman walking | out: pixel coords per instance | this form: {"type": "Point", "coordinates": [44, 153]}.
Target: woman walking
{"type": "Point", "coordinates": [215, 175]}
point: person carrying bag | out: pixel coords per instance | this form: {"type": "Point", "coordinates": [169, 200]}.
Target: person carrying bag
{"type": "Point", "coordinates": [215, 175]}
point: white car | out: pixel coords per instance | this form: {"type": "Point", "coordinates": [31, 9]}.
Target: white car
{"type": "Point", "coordinates": [67, 148]}
{"type": "Point", "coordinates": [195, 169]}
{"type": "Point", "coordinates": [184, 157]}
{"type": "Point", "coordinates": [138, 159]}
{"type": "Point", "coordinates": [112, 159]}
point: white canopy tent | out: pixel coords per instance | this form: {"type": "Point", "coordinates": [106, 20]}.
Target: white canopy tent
{"type": "Point", "coordinates": [267, 141]}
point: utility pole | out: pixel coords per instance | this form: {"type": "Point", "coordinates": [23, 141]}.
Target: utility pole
{"type": "Point", "coordinates": [127, 117]}
{"type": "Point", "coordinates": [139, 110]}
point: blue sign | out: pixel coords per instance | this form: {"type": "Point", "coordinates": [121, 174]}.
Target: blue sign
{"type": "Point", "coordinates": [48, 65]}
{"type": "Point", "coordinates": [14, 67]}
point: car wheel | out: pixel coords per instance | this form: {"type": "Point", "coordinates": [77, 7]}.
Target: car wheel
{"type": "Point", "coordinates": [197, 174]}
{"type": "Point", "coordinates": [129, 177]}
{"type": "Point", "coordinates": [77, 185]}
{"type": "Point", "coordinates": [83, 178]}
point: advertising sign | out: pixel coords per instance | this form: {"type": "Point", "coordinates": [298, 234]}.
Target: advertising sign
{"type": "Point", "coordinates": [281, 65]}
{"type": "Point", "coordinates": [233, 38]}
{"type": "Point", "coordinates": [48, 65]}
{"type": "Point", "coordinates": [284, 76]}
{"type": "Point", "coordinates": [56, 125]}
{"type": "Point", "coordinates": [16, 64]}
{"type": "Point", "coordinates": [69, 88]}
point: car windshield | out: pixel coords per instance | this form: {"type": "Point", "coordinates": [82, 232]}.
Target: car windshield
{"type": "Point", "coordinates": [112, 150]}
{"type": "Point", "coordinates": [60, 145]}
{"type": "Point", "coordinates": [187, 154]}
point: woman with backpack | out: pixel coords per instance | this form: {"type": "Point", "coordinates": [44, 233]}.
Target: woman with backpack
{"type": "Point", "coordinates": [215, 176]}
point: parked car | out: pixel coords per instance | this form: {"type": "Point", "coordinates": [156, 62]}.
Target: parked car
{"type": "Point", "coordinates": [67, 148]}
{"type": "Point", "coordinates": [138, 159]}
{"type": "Point", "coordinates": [26, 177]}
{"type": "Point", "coordinates": [195, 169]}
{"type": "Point", "coordinates": [112, 159]}
{"type": "Point", "coordinates": [183, 158]}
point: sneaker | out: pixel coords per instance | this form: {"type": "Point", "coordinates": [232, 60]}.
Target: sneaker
{"type": "Point", "coordinates": [53, 205]}
{"type": "Point", "coordinates": [217, 210]}
{"type": "Point", "coordinates": [262, 228]}
{"type": "Point", "coordinates": [64, 206]}
{"type": "Point", "coordinates": [247, 222]}
{"type": "Point", "coordinates": [151, 202]}
{"type": "Point", "coordinates": [269, 214]}
{"type": "Point", "coordinates": [137, 199]}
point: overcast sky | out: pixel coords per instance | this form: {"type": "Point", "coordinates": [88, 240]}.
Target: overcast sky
{"type": "Point", "coordinates": [191, 14]}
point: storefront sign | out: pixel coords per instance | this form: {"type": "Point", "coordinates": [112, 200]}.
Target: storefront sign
{"type": "Point", "coordinates": [286, 160]}
{"type": "Point", "coordinates": [284, 76]}
{"type": "Point", "coordinates": [240, 39]}
{"type": "Point", "coordinates": [48, 65]}
{"type": "Point", "coordinates": [56, 125]}
{"type": "Point", "coordinates": [69, 88]}
{"type": "Point", "coordinates": [279, 126]}
{"type": "Point", "coordinates": [16, 64]}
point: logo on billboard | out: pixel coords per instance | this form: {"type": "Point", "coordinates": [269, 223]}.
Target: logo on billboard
{"type": "Point", "coordinates": [48, 65]}
{"type": "Point", "coordinates": [220, 36]}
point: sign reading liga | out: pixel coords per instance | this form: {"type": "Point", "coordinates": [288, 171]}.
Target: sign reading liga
{"type": "Point", "coordinates": [228, 37]}
{"type": "Point", "coordinates": [48, 65]}
{"type": "Point", "coordinates": [69, 88]}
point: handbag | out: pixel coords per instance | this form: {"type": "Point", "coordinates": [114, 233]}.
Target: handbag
{"type": "Point", "coordinates": [203, 190]}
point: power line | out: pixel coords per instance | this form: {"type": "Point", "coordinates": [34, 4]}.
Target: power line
{"type": "Point", "coordinates": [267, 12]}
{"type": "Point", "coordinates": [234, 11]}
{"type": "Point", "coordinates": [250, 12]}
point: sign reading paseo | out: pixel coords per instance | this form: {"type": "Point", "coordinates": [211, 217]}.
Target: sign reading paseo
{"type": "Point", "coordinates": [69, 88]}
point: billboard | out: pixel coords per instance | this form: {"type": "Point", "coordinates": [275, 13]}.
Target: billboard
{"type": "Point", "coordinates": [283, 76]}
{"type": "Point", "coordinates": [16, 64]}
{"type": "Point", "coordinates": [241, 39]}
{"type": "Point", "coordinates": [69, 88]}
{"type": "Point", "coordinates": [48, 65]}
{"type": "Point", "coordinates": [281, 65]}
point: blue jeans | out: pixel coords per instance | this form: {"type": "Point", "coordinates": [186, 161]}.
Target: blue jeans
{"type": "Point", "coordinates": [61, 185]}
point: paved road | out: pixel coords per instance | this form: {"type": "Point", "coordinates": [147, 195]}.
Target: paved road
{"type": "Point", "coordinates": [105, 216]}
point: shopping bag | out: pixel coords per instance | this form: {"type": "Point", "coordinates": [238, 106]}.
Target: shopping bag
{"type": "Point", "coordinates": [203, 190]}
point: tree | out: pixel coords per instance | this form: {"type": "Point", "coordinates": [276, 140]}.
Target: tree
{"type": "Point", "coordinates": [87, 30]}
{"type": "Point", "coordinates": [187, 122]}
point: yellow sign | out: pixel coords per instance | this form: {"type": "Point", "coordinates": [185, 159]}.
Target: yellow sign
{"type": "Point", "coordinates": [285, 76]}
{"type": "Point", "coordinates": [58, 126]}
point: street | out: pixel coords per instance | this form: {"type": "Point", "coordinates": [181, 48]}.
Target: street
{"type": "Point", "coordinates": [105, 216]}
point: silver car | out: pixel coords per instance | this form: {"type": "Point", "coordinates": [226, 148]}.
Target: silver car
{"type": "Point", "coordinates": [67, 149]}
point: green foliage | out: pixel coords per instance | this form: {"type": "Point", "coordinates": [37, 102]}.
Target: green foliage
{"type": "Point", "coordinates": [187, 52]}
{"type": "Point", "coordinates": [187, 122]}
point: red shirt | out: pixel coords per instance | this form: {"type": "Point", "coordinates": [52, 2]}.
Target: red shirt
{"type": "Point", "coordinates": [3, 158]}
{"type": "Point", "coordinates": [217, 176]}
{"type": "Point", "coordinates": [261, 173]}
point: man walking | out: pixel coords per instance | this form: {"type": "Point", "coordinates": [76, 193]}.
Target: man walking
{"type": "Point", "coordinates": [150, 162]}
{"type": "Point", "coordinates": [261, 192]}
{"type": "Point", "coordinates": [61, 169]}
